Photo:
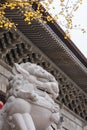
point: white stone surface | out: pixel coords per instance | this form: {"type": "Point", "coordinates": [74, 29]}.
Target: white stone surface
{"type": "Point", "coordinates": [71, 121]}
{"type": "Point", "coordinates": [3, 83]}
{"type": "Point", "coordinates": [30, 100]}
{"type": "Point", "coordinates": [5, 73]}
{"type": "Point", "coordinates": [85, 127]}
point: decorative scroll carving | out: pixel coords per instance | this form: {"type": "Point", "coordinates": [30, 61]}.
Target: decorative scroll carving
{"type": "Point", "coordinates": [8, 41]}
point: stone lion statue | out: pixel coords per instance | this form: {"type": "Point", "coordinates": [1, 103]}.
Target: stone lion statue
{"type": "Point", "coordinates": [30, 104]}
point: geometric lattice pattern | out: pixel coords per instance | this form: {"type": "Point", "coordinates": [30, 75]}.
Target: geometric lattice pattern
{"type": "Point", "coordinates": [73, 99]}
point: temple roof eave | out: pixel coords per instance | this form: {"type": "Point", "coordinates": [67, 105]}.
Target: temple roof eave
{"type": "Point", "coordinates": [54, 47]}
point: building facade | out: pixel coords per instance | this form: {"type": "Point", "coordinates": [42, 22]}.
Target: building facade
{"type": "Point", "coordinates": [45, 45]}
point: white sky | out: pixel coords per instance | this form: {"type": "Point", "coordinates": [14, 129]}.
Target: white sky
{"type": "Point", "coordinates": [80, 18]}
{"type": "Point", "coordinates": [79, 38]}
